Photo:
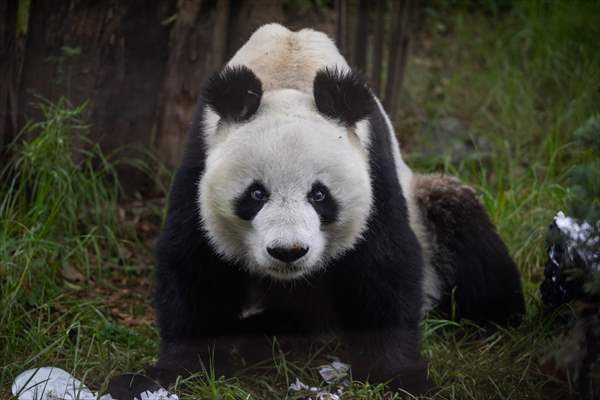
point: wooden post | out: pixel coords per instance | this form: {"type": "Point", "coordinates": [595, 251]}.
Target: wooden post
{"type": "Point", "coordinates": [376, 74]}
{"type": "Point", "coordinates": [14, 28]}
{"type": "Point", "coordinates": [362, 36]}
{"type": "Point", "coordinates": [398, 56]}
{"type": "Point", "coordinates": [341, 25]}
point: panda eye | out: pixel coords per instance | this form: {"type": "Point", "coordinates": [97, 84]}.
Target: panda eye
{"type": "Point", "coordinates": [324, 203]}
{"type": "Point", "coordinates": [251, 201]}
{"type": "Point", "coordinates": [317, 195]}
{"type": "Point", "coordinates": [259, 194]}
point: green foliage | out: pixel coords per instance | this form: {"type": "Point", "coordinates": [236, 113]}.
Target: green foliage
{"type": "Point", "coordinates": [120, 335]}
{"type": "Point", "coordinates": [585, 177]}
{"type": "Point", "coordinates": [54, 188]}
{"type": "Point", "coordinates": [522, 81]}
{"type": "Point", "coordinates": [58, 203]}
{"type": "Point", "coordinates": [588, 136]}
{"type": "Point", "coordinates": [58, 208]}
{"type": "Point", "coordinates": [584, 199]}
{"type": "Point", "coordinates": [208, 386]}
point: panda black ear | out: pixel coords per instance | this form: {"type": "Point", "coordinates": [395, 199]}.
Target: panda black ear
{"type": "Point", "coordinates": [234, 93]}
{"type": "Point", "coordinates": [342, 95]}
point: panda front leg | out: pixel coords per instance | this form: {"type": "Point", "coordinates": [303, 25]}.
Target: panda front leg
{"type": "Point", "coordinates": [388, 356]}
{"type": "Point", "coordinates": [198, 307]}
{"type": "Point", "coordinates": [379, 324]}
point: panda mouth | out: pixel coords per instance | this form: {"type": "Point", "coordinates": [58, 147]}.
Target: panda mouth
{"type": "Point", "coordinates": [285, 271]}
{"type": "Point", "coordinates": [286, 268]}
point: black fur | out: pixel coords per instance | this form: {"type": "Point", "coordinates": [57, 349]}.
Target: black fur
{"type": "Point", "coordinates": [371, 296]}
{"type": "Point", "coordinates": [343, 96]}
{"type": "Point", "coordinates": [233, 93]}
{"type": "Point", "coordinates": [247, 207]}
{"type": "Point", "coordinates": [328, 209]}
{"type": "Point", "coordinates": [480, 280]}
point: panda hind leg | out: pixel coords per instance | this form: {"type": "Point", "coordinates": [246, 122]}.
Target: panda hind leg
{"type": "Point", "coordinates": [479, 280]}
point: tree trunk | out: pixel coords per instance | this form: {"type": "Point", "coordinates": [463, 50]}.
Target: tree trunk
{"type": "Point", "coordinates": [200, 42]}
{"type": "Point", "coordinates": [351, 16]}
{"type": "Point", "coordinates": [398, 55]}
{"type": "Point", "coordinates": [14, 20]}
{"type": "Point", "coordinates": [362, 36]}
{"type": "Point", "coordinates": [376, 74]}
{"type": "Point", "coordinates": [220, 36]}
{"type": "Point", "coordinates": [139, 64]}
{"type": "Point", "coordinates": [341, 25]}
{"type": "Point", "coordinates": [247, 16]}
{"type": "Point", "coordinates": [109, 55]}
{"type": "Point", "coordinates": [197, 48]}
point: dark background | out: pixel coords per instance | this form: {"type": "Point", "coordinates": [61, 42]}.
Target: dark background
{"type": "Point", "coordinates": [140, 64]}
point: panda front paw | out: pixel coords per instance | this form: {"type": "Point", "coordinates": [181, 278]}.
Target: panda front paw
{"type": "Point", "coordinates": [411, 377]}
{"type": "Point", "coordinates": [185, 358]}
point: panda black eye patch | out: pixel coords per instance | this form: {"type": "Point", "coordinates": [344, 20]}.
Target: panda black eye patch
{"type": "Point", "coordinates": [249, 203]}
{"type": "Point", "coordinates": [323, 202]}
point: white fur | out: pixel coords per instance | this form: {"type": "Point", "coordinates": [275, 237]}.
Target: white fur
{"type": "Point", "coordinates": [288, 146]}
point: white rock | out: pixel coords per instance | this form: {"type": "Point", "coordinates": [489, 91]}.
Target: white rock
{"type": "Point", "coordinates": [50, 383]}
{"type": "Point", "coordinates": [581, 238]}
{"type": "Point", "coordinates": [160, 394]}
{"type": "Point", "coordinates": [334, 372]}
{"type": "Point", "coordinates": [298, 386]}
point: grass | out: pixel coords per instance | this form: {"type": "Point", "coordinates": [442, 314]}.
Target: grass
{"type": "Point", "coordinates": [525, 81]}
{"type": "Point", "coordinates": [75, 266]}
{"type": "Point", "coordinates": [61, 234]}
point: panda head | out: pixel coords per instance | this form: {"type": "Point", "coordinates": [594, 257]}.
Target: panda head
{"type": "Point", "coordinates": [286, 187]}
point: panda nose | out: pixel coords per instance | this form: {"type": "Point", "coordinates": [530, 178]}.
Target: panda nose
{"type": "Point", "coordinates": [287, 254]}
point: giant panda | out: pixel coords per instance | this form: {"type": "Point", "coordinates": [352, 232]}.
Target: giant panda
{"type": "Point", "coordinates": [293, 213]}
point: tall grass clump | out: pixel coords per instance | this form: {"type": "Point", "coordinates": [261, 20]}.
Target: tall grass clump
{"type": "Point", "coordinates": [54, 188]}
{"type": "Point", "coordinates": [59, 192]}
{"type": "Point", "coordinates": [524, 77]}
{"type": "Point", "coordinates": [58, 212]}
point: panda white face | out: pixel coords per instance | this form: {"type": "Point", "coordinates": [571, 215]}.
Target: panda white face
{"type": "Point", "coordinates": [285, 192]}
